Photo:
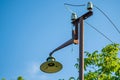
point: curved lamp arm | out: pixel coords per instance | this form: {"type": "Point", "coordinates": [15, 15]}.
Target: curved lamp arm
{"type": "Point", "coordinates": [69, 42]}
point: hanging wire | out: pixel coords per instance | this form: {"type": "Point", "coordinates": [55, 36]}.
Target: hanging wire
{"type": "Point", "coordinates": [73, 4]}
{"type": "Point", "coordinates": [107, 18]}
{"type": "Point", "coordinates": [96, 8]}
{"type": "Point", "coordinates": [72, 28]}
{"type": "Point", "coordinates": [99, 32]}
{"type": "Point", "coordinates": [66, 5]}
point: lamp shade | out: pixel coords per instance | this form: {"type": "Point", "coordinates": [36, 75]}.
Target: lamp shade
{"type": "Point", "coordinates": [51, 66]}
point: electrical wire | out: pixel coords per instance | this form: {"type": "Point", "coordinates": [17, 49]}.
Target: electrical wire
{"type": "Point", "coordinates": [99, 32]}
{"type": "Point", "coordinates": [108, 18]}
{"type": "Point", "coordinates": [66, 5]}
{"type": "Point", "coordinates": [74, 5]}
{"type": "Point", "coordinates": [99, 10]}
{"type": "Point", "coordinates": [72, 28]}
{"type": "Point", "coordinates": [71, 11]}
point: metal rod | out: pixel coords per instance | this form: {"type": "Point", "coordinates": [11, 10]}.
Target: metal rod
{"type": "Point", "coordinates": [81, 48]}
{"type": "Point", "coordinates": [67, 43]}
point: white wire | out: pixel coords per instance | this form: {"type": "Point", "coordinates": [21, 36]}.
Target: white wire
{"type": "Point", "coordinates": [66, 6]}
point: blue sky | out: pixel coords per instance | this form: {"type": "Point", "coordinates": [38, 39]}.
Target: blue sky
{"type": "Point", "coordinates": [30, 29]}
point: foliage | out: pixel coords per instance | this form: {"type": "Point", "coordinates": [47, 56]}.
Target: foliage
{"type": "Point", "coordinates": [3, 79]}
{"type": "Point", "coordinates": [20, 78]}
{"type": "Point", "coordinates": [102, 66]}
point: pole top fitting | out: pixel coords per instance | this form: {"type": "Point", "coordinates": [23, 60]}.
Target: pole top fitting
{"type": "Point", "coordinates": [73, 16]}
{"type": "Point", "coordinates": [89, 6]}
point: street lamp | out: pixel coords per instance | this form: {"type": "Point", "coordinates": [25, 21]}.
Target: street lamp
{"type": "Point", "coordinates": [51, 65]}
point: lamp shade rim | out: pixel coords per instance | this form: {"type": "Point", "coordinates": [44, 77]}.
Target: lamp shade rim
{"type": "Point", "coordinates": [51, 66]}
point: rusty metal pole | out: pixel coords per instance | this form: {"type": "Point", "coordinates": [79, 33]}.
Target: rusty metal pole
{"type": "Point", "coordinates": [79, 29]}
{"type": "Point", "coordinates": [81, 48]}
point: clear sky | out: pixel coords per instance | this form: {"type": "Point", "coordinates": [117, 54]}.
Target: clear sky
{"type": "Point", "coordinates": [30, 29]}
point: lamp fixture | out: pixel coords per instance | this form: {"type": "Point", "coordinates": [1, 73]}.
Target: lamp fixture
{"type": "Point", "coordinates": [51, 65]}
